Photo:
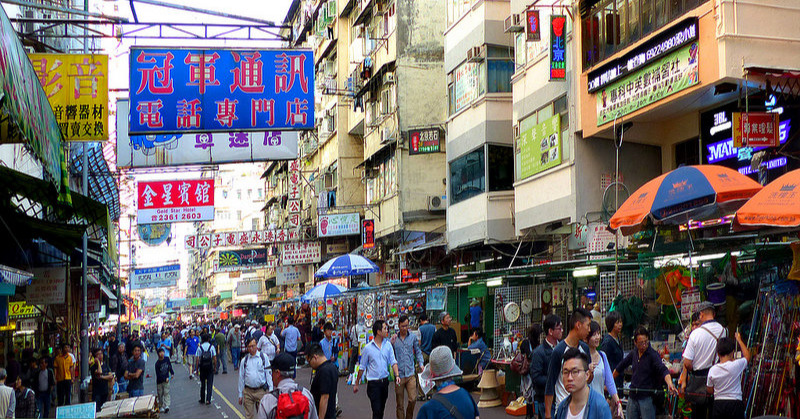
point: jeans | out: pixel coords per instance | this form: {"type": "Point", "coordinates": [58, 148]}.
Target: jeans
{"type": "Point", "coordinates": [122, 384]}
{"type": "Point", "coordinates": [206, 385]}
{"type": "Point", "coordinates": [378, 392]}
{"type": "Point", "coordinates": [539, 409]}
{"type": "Point", "coordinates": [64, 392]}
{"type": "Point", "coordinates": [221, 360]}
{"type": "Point", "coordinates": [136, 392]}
{"type": "Point", "coordinates": [235, 357]}
{"type": "Point", "coordinates": [641, 408]}
{"type": "Point", "coordinates": [408, 386]}
{"type": "Point", "coordinates": [99, 399]}
{"type": "Point", "coordinates": [729, 409]}
{"type": "Point", "coordinates": [43, 403]}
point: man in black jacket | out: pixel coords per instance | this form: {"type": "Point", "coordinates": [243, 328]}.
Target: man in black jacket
{"type": "Point", "coordinates": [445, 335]}
{"type": "Point", "coordinates": [540, 360]}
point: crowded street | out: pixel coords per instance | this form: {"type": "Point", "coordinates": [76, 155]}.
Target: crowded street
{"type": "Point", "coordinates": [410, 209]}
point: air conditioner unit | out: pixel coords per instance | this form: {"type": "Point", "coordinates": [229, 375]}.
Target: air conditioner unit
{"type": "Point", "coordinates": [388, 78]}
{"type": "Point", "coordinates": [513, 23]}
{"type": "Point", "coordinates": [437, 203]}
{"type": "Point", "coordinates": [476, 54]}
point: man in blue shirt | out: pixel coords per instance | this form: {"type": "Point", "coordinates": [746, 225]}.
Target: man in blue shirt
{"type": "Point", "coordinates": [166, 344]}
{"type": "Point", "coordinates": [476, 342]}
{"type": "Point", "coordinates": [582, 400]}
{"type": "Point", "coordinates": [192, 342]}
{"type": "Point", "coordinates": [409, 363]}
{"type": "Point", "coordinates": [291, 336]}
{"type": "Point", "coordinates": [475, 314]}
{"type": "Point", "coordinates": [376, 358]}
{"type": "Point", "coordinates": [329, 345]}
{"type": "Point", "coordinates": [426, 330]}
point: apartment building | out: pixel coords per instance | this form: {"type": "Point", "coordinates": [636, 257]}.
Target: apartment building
{"type": "Point", "coordinates": [381, 105]}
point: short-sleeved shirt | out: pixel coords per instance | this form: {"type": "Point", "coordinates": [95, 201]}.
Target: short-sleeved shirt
{"type": "Point", "coordinates": [100, 386]}
{"type": "Point", "coordinates": [133, 365]}
{"type": "Point", "coordinates": [701, 348]}
{"type": "Point", "coordinates": [291, 334]}
{"type": "Point", "coordinates": [460, 398]}
{"type": "Point", "coordinates": [191, 345]}
{"type": "Point", "coordinates": [325, 381]}
{"type": "Point", "coordinates": [63, 367]}
{"type": "Point", "coordinates": [426, 332]}
{"type": "Point", "coordinates": [726, 378]}
{"type": "Point", "coordinates": [167, 346]}
{"type": "Point", "coordinates": [377, 361]}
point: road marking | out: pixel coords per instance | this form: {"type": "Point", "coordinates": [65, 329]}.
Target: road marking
{"type": "Point", "coordinates": [225, 399]}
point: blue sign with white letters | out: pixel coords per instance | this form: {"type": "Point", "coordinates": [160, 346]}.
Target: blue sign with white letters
{"type": "Point", "coordinates": [192, 90]}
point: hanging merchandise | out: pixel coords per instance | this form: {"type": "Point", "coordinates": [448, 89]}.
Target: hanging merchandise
{"type": "Point", "coordinates": [632, 312]}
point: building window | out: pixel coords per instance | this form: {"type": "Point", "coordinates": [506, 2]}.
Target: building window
{"type": "Point", "coordinates": [254, 223]}
{"type": "Point", "coordinates": [609, 26]}
{"type": "Point", "coordinates": [501, 168]}
{"type": "Point", "coordinates": [456, 9]}
{"type": "Point", "coordinates": [468, 176]}
{"type": "Point", "coordinates": [687, 153]}
{"type": "Point", "coordinates": [239, 194]}
{"type": "Point", "coordinates": [499, 75]}
{"type": "Point", "coordinates": [238, 215]}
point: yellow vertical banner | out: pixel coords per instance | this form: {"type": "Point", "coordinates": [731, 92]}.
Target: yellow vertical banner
{"type": "Point", "coordinates": [77, 87]}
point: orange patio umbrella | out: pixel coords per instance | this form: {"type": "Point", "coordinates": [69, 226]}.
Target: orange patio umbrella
{"type": "Point", "coordinates": [777, 205]}
{"type": "Point", "coordinates": [686, 193]}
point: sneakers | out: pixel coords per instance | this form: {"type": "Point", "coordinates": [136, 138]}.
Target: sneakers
{"type": "Point", "coordinates": [224, 372]}
{"type": "Point", "coordinates": [208, 402]}
{"type": "Point", "coordinates": [166, 410]}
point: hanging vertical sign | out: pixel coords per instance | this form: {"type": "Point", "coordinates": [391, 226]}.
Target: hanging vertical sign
{"type": "Point", "coordinates": [558, 50]}
{"type": "Point", "coordinates": [175, 201]}
{"type": "Point", "coordinates": [368, 234]}
{"type": "Point", "coordinates": [756, 129]}
{"type": "Point", "coordinates": [293, 204]}
{"type": "Point", "coordinates": [532, 26]}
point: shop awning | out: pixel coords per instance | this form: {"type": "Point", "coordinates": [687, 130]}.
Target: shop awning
{"type": "Point", "coordinates": [108, 292]}
{"type": "Point", "coordinates": [439, 242]}
{"type": "Point", "coordinates": [14, 276]}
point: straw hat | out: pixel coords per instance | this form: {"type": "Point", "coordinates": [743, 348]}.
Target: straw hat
{"type": "Point", "coordinates": [441, 365]}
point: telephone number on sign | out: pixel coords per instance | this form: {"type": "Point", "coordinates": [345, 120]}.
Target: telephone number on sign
{"type": "Point", "coordinates": [176, 217]}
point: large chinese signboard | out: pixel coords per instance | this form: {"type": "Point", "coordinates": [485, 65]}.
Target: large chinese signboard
{"type": "Point", "coordinates": [199, 148]}
{"type": "Point", "coordinates": [175, 201]}
{"type": "Point", "coordinates": [77, 87]}
{"type": "Point", "coordinates": [466, 85]}
{"type": "Point", "coordinates": [155, 277]}
{"type": "Point", "coordinates": [294, 205]}
{"type": "Point", "coordinates": [244, 259]}
{"type": "Point", "coordinates": [21, 310]}
{"type": "Point", "coordinates": [539, 145]}
{"type": "Point", "coordinates": [338, 225]}
{"type": "Point", "coordinates": [26, 105]}
{"type": "Point", "coordinates": [661, 78]}
{"type": "Point", "coordinates": [301, 253]}
{"type": "Point", "coordinates": [188, 90]}
{"type": "Point", "coordinates": [756, 129]}
{"type": "Point", "coordinates": [558, 47]}
{"type": "Point", "coordinates": [93, 298]}
{"type": "Point", "coordinates": [240, 238]}
{"type": "Point", "coordinates": [425, 141]}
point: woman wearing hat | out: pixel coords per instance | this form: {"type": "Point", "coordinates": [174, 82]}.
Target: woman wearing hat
{"type": "Point", "coordinates": [450, 400]}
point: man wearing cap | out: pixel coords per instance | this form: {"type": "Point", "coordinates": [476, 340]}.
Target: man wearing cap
{"type": "Point", "coordinates": [376, 358]}
{"type": "Point", "coordinates": [282, 370]}
{"type": "Point", "coordinates": [442, 370]}
{"type": "Point", "coordinates": [445, 335]}
{"type": "Point", "coordinates": [699, 356]}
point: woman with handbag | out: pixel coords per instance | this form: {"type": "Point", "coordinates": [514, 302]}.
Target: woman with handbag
{"type": "Point", "coordinates": [601, 370]}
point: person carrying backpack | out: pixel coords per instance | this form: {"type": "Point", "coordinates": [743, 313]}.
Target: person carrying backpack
{"type": "Point", "coordinates": [288, 400]}
{"type": "Point", "coordinates": [206, 359]}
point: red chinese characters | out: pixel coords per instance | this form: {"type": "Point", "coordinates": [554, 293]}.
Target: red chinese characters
{"type": "Point", "coordinates": [189, 113]}
{"type": "Point", "coordinates": [226, 112]}
{"type": "Point", "coordinates": [249, 76]}
{"type": "Point", "coordinates": [156, 79]}
{"type": "Point", "coordinates": [201, 70]}
{"type": "Point", "coordinates": [150, 113]}
{"type": "Point", "coordinates": [258, 106]}
{"type": "Point", "coordinates": [287, 69]}
{"type": "Point", "coordinates": [176, 201]}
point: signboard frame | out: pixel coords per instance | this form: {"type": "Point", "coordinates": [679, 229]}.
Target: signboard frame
{"type": "Point", "coordinates": [192, 200]}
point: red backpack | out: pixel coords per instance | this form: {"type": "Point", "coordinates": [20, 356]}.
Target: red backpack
{"type": "Point", "coordinates": [291, 405]}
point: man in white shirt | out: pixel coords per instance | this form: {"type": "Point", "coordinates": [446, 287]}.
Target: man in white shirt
{"type": "Point", "coordinates": [206, 359]}
{"type": "Point", "coordinates": [698, 357]}
{"type": "Point", "coordinates": [269, 344]}
{"type": "Point", "coordinates": [8, 400]}
{"type": "Point", "coordinates": [254, 378]}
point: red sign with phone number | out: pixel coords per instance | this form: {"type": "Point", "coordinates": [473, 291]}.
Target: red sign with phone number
{"type": "Point", "coordinates": [175, 201]}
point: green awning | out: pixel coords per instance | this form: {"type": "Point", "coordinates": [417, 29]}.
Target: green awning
{"type": "Point", "coordinates": [226, 295]}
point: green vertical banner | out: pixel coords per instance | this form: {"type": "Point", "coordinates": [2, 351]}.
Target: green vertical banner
{"type": "Point", "coordinates": [558, 47]}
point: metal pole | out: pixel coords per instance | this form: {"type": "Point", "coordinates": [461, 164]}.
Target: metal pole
{"type": "Point", "coordinates": [85, 248]}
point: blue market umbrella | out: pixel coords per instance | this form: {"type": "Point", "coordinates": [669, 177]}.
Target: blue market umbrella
{"type": "Point", "coordinates": [346, 265]}
{"type": "Point", "coordinates": [323, 291]}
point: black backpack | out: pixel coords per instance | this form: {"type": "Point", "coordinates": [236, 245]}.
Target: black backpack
{"type": "Point", "coordinates": [206, 359]}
